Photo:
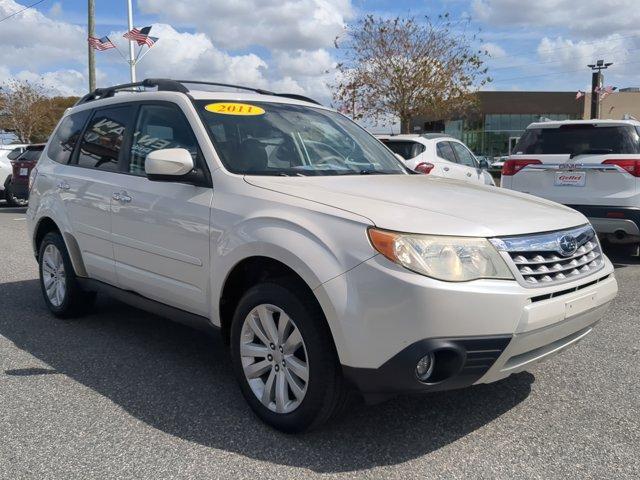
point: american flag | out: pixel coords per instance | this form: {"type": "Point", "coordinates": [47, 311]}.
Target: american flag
{"type": "Point", "coordinates": [605, 91]}
{"type": "Point", "coordinates": [141, 36]}
{"type": "Point", "coordinates": [100, 43]}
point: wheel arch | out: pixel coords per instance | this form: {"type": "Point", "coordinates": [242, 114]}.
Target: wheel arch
{"type": "Point", "coordinates": [251, 271]}
{"type": "Point", "coordinates": [47, 224]}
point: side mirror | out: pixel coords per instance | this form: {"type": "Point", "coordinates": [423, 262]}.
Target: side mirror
{"type": "Point", "coordinates": [484, 165]}
{"type": "Point", "coordinates": [168, 164]}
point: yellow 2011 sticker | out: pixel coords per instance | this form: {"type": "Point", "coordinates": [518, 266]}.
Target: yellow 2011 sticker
{"type": "Point", "coordinates": [234, 109]}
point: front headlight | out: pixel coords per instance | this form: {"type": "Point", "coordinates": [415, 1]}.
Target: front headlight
{"type": "Point", "coordinates": [452, 259]}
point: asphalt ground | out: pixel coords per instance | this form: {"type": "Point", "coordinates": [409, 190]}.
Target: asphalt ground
{"type": "Point", "coordinates": [125, 394]}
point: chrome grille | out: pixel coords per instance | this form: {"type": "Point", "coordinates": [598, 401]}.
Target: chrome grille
{"type": "Point", "coordinates": [552, 258]}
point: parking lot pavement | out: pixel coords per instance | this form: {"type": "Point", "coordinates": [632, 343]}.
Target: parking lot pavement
{"type": "Point", "coordinates": [124, 394]}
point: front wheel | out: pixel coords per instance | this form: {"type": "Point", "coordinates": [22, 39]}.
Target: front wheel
{"type": "Point", "coordinates": [284, 359]}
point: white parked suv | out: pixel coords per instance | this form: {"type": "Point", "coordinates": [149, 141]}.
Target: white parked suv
{"type": "Point", "coordinates": [438, 155]}
{"type": "Point", "coordinates": [592, 166]}
{"type": "Point", "coordinates": [325, 264]}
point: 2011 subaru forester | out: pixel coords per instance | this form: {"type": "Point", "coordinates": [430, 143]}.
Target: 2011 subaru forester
{"type": "Point", "coordinates": [324, 262]}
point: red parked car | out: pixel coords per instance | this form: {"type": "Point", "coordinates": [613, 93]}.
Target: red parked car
{"type": "Point", "coordinates": [17, 184]}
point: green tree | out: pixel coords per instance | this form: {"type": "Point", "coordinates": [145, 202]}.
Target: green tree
{"type": "Point", "coordinates": [404, 68]}
{"type": "Point", "coordinates": [28, 112]}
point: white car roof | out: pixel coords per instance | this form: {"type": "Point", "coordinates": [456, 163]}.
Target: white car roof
{"type": "Point", "coordinates": [558, 123]}
{"type": "Point", "coordinates": [13, 146]}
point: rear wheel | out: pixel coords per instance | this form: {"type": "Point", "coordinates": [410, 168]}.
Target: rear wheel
{"type": "Point", "coordinates": [284, 359]}
{"type": "Point", "coordinates": [58, 281]}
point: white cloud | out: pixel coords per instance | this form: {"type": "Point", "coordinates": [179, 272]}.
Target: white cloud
{"type": "Point", "coordinates": [494, 50]}
{"type": "Point", "coordinates": [569, 54]}
{"type": "Point", "coordinates": [590, 18]}
{"type": "Point", "coordinates": [304, 63]}
{"type": "Point", "coordinates": [30, 40]}
{"type": "Point", "coordinates": [60, 82]}
{"type": "Point", "coordinates": [192, 56]}
{"type": "Point", "coordinates": [278, 24]}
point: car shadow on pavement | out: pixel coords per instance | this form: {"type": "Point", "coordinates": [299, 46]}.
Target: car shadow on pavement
{"type": "Point", "coordinates": [179, 381]}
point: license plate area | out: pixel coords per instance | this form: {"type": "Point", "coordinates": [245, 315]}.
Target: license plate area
{"type": "Point", "coordinates": [24, 172]}
{"type": "Point", "coordinates": [570, 179]}
{"type": "Point", "coordinates": [580, 305]}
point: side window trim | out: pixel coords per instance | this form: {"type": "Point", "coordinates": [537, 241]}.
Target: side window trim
{"type": "Point", "coordinates": [73, 159]}
{"type": "Point", "coordinates": [201, 163]}
{"type": "Point", "coordinates": [94, 112]}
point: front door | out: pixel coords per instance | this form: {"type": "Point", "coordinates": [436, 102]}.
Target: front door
{"type": "Point", "coordinates": [160, 230]}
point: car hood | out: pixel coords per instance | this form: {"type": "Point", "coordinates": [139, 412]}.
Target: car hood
{"type": "Point", "coordinates": [429, 205]}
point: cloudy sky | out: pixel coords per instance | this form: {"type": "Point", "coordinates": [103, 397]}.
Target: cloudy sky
{"type": "Point", "coordinates": [287, 45]}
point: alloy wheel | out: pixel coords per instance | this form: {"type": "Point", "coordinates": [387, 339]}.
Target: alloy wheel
{"type": "Point", "coordinates": [53, 275]}
{"type": "Point", "coordinates": [274, 358]}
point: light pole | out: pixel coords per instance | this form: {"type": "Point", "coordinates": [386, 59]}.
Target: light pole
{"type": "Point", "coordinates": [132, 62]}
{"type": "Point", "coordinates": [91, 24]}
{"type": "Point", "coordinates": [596, 83]}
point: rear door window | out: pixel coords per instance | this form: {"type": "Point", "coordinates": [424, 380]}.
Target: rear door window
{"type": "Point", "coordinates": [445, 151]}
{"type": "Point", "coordinates": [103, 137]}
{"type": "Point", "coordinates": [66, 137]}
{"type": "Point", "coordinates": [580, 139]}
{"type": "Point", "coordinates": [405, 149]}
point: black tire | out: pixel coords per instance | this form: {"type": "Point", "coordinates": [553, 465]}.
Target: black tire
{"type": "Point", "coordinates": [11, 199]}
{"type": "Point", "coordinates": [75, 301]}
{"type": "Point", "coordinates": [326, 389]}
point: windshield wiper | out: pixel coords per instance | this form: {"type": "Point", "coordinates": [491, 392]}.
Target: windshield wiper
{"type": "Point", "coordinates": [592, 151]}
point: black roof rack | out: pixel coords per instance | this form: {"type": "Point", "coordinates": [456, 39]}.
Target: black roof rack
{"type": "Point", "coordinates": [169, 85]}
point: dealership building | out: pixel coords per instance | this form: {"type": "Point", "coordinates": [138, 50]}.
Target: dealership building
{"type": "Point", "coordinates": [499, 119]}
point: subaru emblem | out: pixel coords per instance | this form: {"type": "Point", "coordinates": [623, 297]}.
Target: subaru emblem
{"type": "Point", "coordinates": [568, 245]}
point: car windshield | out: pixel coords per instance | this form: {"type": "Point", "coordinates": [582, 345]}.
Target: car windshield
{"type": "Point", "coordinates": [15, 153]}
{"type": "Point", "coordinates": [31, 155]}
{"type": "Point", "coordinates": [261, 138]}
{"type": "Point", "coordinates": [406, 149]}
{"type": "Point", "coordinates": [579, 139]}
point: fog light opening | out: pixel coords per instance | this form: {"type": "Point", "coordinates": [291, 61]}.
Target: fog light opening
{"type": "Point", "coordinates": [424, 367]}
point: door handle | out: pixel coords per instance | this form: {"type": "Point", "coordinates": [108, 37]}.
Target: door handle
{"type": "Point", "coordinates": [446, 169]}
{"type": "Point", "coordinates": [468, 174]}
{"type": "Point", "coordinates": [124, 197]}
{"type": "Point", "coordinates": [116, 196]}
{"type": "Point", "coordinates": [63, 186]}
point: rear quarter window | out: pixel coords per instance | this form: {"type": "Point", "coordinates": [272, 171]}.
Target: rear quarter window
{"type": "Point", "coordinates": [66, 136]}
{"type": "Point", "coordinates": [579, 139]}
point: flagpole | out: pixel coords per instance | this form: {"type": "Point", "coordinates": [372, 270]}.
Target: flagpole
{"type": "Point", "coordinates": [132, 61]}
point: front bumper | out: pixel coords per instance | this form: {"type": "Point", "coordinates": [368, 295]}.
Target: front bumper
{"type": "Point", "coordinates": [384, 319]}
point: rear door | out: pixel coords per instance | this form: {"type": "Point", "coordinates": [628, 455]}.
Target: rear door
{"type": "Point", "coordinates": [87, 184]}
{"type": "Point", "coordinates": [579, 164]}
{"type": "Point", "coordinates": [161, 229]}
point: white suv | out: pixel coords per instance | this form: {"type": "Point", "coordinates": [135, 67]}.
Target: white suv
{"type": "Point", "coordinates": [325, 264]}
{"type": "Point", "coordinates": [438, 155]}
{"type": "Point", "coordinates": [592, 166]}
